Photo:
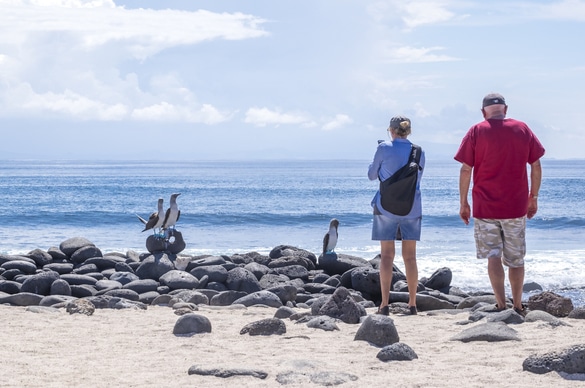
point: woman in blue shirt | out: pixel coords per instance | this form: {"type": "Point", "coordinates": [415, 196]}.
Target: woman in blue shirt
{"type": "Point", "coordinates": [388, 227]}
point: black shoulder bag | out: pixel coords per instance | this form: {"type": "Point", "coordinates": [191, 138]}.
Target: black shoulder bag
{"type": "Point", "coordinates": [397, 192]}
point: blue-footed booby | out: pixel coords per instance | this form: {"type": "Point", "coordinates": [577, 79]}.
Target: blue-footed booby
{"type": "Point", "coordinates": [173, 213]}
{"type": "Point", "coordinates": [155, 220]}
{"type": "Point", "coordinates": [330, 239]}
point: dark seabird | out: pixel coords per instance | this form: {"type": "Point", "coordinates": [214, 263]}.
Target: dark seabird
{"type": "Point", "coordinates": [173, 213]}
{"type": "Point", "coordinates": [330, 239]}
{"type": "Point", "coordinates": [155, 220]}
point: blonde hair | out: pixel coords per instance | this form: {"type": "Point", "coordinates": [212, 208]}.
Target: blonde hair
{"type": "Point", "coordinates": [403, 128]}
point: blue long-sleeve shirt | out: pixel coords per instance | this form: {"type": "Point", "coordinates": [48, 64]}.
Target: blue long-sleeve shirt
{"type": "Point", "coordinates": [389, 158]}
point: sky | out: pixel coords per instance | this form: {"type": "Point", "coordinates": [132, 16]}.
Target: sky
{"type": "Point", "coordinates": [266, 79]}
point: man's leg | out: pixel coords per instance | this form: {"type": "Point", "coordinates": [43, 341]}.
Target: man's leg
{"type": "Point", "coordinates": [489, 244]}
{"type": "Point", "coordinates": [514, 231]}
{"type": "Point", "coordinates": [516, 276]}
{"type": "Point", "coordinates": [386, 265]}
{"type": "Point", "coordinates": [497, 278]}
{"type": "Point", "coordinates": [411, 269]}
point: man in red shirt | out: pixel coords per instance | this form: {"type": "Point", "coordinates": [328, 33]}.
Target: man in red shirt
{"type": "Point", "coordinates": [497, 151]}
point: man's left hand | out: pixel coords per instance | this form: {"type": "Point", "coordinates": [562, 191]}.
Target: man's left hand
{"type": "Point", "coordinates": [532, 207]}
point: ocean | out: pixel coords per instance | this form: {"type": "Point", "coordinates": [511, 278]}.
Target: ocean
{"type": "Point", "coordinates": [232, 207]}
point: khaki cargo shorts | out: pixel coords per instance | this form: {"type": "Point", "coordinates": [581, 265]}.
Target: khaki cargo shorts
{"type": "Point", "coordinates": [503, 239]}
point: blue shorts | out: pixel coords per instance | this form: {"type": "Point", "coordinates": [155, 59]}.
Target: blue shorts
{"type": "Point", "coordinates": [395, 228]}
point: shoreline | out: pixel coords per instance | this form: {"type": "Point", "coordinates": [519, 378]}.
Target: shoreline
{"type": "Point", "coordinates": [576, 293]}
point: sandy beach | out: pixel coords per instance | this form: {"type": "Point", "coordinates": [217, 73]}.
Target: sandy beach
{"type": "Point", "coordinates": [137, 348]}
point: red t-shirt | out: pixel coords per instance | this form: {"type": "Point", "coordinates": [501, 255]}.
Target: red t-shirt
{"type": "Point", "coordinates": [499, 150]}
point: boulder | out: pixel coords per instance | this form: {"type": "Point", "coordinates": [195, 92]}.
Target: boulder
{"type": "Point", "coordinates": [240, 279]}
{"type": "Point", "coordinates": [341, 305]}
{"type": "Point", "coordinates": [379, 330]}
{"type": "Point", "coordinates": [333, 264]}
{"type": "Point", "coordinates": [60, 268]}
{"type": "Point", "coordinates": [123, 293]}
{"type": "Point", "coordinates": [440, 279]}
{"type": "Point", "coordinates": [570, 360]}
{"type": "Point", "coordinates": [423, 302]}
{"type": "Point", "coordinates": [367, 280]}
{"type": "Point", "coordinates": [22, 299]}
{"type": "Point", "coordinates": [226, 298]}
{"type": "Point", "coordinates": [125, 277]}
{"type": "Point", "coordinates": [40, 257]}
{"type": "Point", "coordinates": [292, 272]}
{"type": "Point", "coordinates": [189, 296]}
{"type": "Point", "coordinates": [84, 253]}
{"type": "Point", "coordinates": [578, 313]}
{"type": "Point", "coordinates": [189, 324]}
{"type": "Point", "coordinates": [23, 266]}
{"type": "Point", "coordinates": [257, 269]}
{"type": "Point", "coordinates": [268, 326]}
{"type": "Point", "coordinates": [396, 352]}
{"type": "Point", "coordinates": [323, 322]}
{"type": "Point", "coordinates": [263, 297]}
{"type": "Point", "coordinates": [76, 280]}
{"type": "Point", "coordinates": [287, 251]}
{"type": "Point", "coordinates": [155, 266]}
{"type": "Point", "coordinates": [177, 280]}
{"type": "Point", "coordinates": [215, 273]}
{"type": "Point", "coordinates": [40, 283]}
{"type": "Point", "coordinates": [69, 246]}
{"type": "Point", "coordinates": [173, 244]}
{"type": "Point", "coordinates": [60, 287]}
{"type": "Point", "coordinates": [141, 285]}
{"type": "Point", "coordinates": [285, 292]}
{"type": "Point", "coordinates": [10, 287]}
{"type": "Point", "coordinates": [80, 306]}
{"type": "Point", "coordinates": [490, 332]}
{"type": "Point", "coordinates": [552, 303]}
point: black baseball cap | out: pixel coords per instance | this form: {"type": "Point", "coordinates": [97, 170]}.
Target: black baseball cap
{"type": "Point", "coordinates": [493, 99]}
{"type": "Point", "coordinates": [396, 120]}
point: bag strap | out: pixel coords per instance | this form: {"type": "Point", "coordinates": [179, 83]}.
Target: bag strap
{"type": "Point", "coordinates": [415, 152]}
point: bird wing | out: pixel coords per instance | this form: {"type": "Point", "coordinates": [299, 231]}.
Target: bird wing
{"type": "Point", "coordinates": [151, 221]}
{"type": "Point", "coordinates": [141, 219]}
{"type": "Point", "coordinates": [167, 215]}
{"type": "Point", "coordinates": [325, 242]}
{"type": "Point", "coordinates": [178, 215]}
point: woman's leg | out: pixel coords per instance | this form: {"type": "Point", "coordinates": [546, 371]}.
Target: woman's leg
{"type": "Point", "coordinates": [409, 256]}
{"type": "Point", "coordinates": [387, 252]}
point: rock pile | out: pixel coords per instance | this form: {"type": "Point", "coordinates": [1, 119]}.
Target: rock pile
{"type": "Point", "coordinates": [335, 285]}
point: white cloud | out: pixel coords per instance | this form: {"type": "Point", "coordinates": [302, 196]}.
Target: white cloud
{"type": "Point", "coordinates": [142, 32]}
{"type": "Point", "coordinates": [562, 10]}
{"type": "Point", "coordinates": [419, 13]}
{"type": "Point", "coordinates": [65, 58]}
{"type": "Point", "coordinates": [262, 117]}
{"type": "Point", "coordinates": [165, 111]}
{"type": "Point", "coordinates": [408, 54]}
{"type": "Point", "coordinates": [339, 121]}
{"type": "Point", "coordinates": [412, 13]}
{"type": "Point", "coordinates": [67, 103]}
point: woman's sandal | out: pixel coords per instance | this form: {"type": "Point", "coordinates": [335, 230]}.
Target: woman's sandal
{"type": "Point", "coordinates": [413, 310]}
{"type": "Point", "coordinates": [383, 310]}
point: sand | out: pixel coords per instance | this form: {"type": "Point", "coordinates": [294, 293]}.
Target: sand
{"type": "Point", "coordinates": [136, 348]}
